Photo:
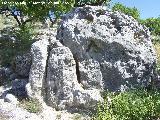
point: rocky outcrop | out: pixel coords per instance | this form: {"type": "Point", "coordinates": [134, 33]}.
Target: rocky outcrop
{"type": "Point", "coordinates": [112, 49]}
{"type": "Point", "coordinates": [63, 88]}
{"type": "Point", "coordinates": [54, 77]}
{"type": "Point", "coordinates": [95, 50]}
{"type": "Point", "coordinates": [39, 52]}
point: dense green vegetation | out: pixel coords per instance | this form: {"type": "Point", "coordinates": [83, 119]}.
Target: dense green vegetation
{"type": "Point", "coordinates": [30, 10]}
{"type": "Point", "coordinates": [91, 2]}
{"type": "Point", "coordinates": [127, 10]}
{"type": "Point", "coordinates": [130, 105]}
{"type": "Point", "coordinates": [153, 24]}
{"type": "Point", "coordinates": [18, 42]}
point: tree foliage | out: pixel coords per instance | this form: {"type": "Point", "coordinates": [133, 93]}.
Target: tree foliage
{"type": "Point", "coordinates": [127, 10]}
{"type": "Point", "coordinates": [91, 2]}
{"type": "Point", "coordinates": [153, 24]}
{"type": "Point", "coordinates": [30, 10]}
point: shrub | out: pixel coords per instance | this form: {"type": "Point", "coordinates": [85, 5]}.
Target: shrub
{"type": "Point", "coordinates": [153, 24]}
{"type": "Point", "coordinates": [91, 2]}
{"type": "Point", "coordinates": [14, 42]}
{"type": "Point", "coordinates": [127, 10]}
{"type": "Point", "coordinates": [130, 105]}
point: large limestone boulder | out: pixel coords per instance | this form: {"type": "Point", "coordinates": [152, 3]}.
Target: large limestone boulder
{"type": "Point", "coordinates": [62, 85]}
{"type": "Point", "coordinates": [95, 50]}
{"type": "Point", "coordinates": [54, 77]}
{"type": "Point", "coordinates": [39, 52]}
{"type": "Point", "coordinates": [111, 50]}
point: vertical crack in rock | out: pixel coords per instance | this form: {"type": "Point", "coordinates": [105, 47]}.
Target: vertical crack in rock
{"type": "Point", "coordinates": [89, 47]}
{"type": "Point", "coordinates": [44, 91]}
{"type": "Point", "coordinates": [77, 69]}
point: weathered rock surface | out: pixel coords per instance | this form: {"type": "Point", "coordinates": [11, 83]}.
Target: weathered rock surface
{"type": "Point", "coordinates": [95, 50]}
{"type": "Point", "coordinates": [11, 99]}
{"type": "Point", "coordinates": [54, 77]}
{"type": "Point", "coordinates": [39, 52]}
{"type": "Point", "coordinates": [9, 111]}
{"type": "Point", "coordinates": [112, 50]}
{"type": "Point", "coordinates": [61, 76]}
{"type": "Point", "coordinates": [63, 88]}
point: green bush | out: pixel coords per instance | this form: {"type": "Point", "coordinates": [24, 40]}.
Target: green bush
{"type": "Point", "coordinates": [130, 105]}
{"type": "Point", "coordinates": [14, 42]}
{"type": "Point", "coordinates": [91, 2]}
{"type": "Point", "coordinates": [153, 24]}
{"type": "Point", "coordinates": [127, 10]}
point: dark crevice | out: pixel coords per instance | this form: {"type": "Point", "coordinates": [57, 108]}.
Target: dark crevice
{"type": "Point", "coordinates": [118, 27]}
{"type": "Point", "coordinates": [60, 34]}
{"type": "Point", "coordinates": [89, 47]}
{"type": "Point", "coordinates": [76, 31]}
{"type": "Point", "coordinates": [89, 17]}
{"type": "Point", "coordinates": [77, 68]}
{"type": "Point", "coordinates": [44, 90]}
{"type": "Point", "coordinates": [91, 44]}
{"type": "Point", "coordinates": [61, 41]}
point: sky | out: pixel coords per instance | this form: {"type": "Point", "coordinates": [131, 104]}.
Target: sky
{"type": "Point", "coordinates": [147, 8]}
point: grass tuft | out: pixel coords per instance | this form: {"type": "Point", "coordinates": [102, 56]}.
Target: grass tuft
{"type": "Point", "coordinates": [31, 105]}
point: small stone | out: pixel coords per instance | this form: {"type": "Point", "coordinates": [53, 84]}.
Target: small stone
{"type": "Point", "coordinates": [11, 99]}
{"type": "Point", "coordinates": [18, 87]}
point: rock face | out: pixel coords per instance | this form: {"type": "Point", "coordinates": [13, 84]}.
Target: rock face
{"type": "Point", "coordinates": [39, 51]}
{"type": "Point", "coordinates": [54, 77]}
{"type": "Point", "coordinates": [112, 50]}
{"type": "Point", "coordinates": [94, 50]}
{"type": "Point", "coordinates": [63, 88]}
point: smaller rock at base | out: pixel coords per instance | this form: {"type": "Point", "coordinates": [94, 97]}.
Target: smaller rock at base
{"type": "Point", "coordinates": [18, 87]}
{"type": "Point", "coordinates": [11, 99]}
{"type": "Point", "coordinates": [8, 71]}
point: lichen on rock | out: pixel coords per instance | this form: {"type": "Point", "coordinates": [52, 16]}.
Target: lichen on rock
{"type": "Point", "coordinates": [94, 50]}
{"type": "Point", "coordinates": [118, 43]}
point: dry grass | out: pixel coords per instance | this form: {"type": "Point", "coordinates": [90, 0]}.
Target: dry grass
{"type": "Point", "coordinates": [157, 48]}
{"type": "Point", "coordinates": [31, 105]}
